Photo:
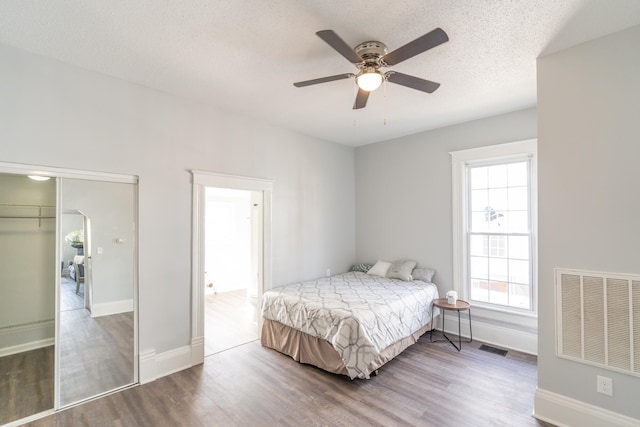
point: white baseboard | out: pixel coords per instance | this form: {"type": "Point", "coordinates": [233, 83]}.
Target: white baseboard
{"type": "Point", "coordinates": [114, 307]}
{"type": "Point", "coordinates": [197, 351]}
{"type": "Point", "coordinates": [33, 345]}
{"type": "Point", "coordinates": [154, 366]}
{"type": "Point", "coordinates": [147, 366]}
{"type": "Point", "coordinates": [25, 337]}
{"type": "Point", "coordinates": [525, 342]}
{"type": "Point", "coordinates": [564, 411]}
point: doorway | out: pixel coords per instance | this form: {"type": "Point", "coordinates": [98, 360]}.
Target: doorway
{"type": "Point", "coordinates": [258, 268]}
{"type": "Point", "coordinates": [233, 230]}
{"type": "Point", "coordinates": [74, 281]}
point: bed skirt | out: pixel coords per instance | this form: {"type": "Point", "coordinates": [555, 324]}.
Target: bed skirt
{"type": "Point", "coordinates": [318, 352]}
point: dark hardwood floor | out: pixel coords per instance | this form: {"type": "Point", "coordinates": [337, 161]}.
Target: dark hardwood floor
{"type": "Point", "coordinates": [429, 384]}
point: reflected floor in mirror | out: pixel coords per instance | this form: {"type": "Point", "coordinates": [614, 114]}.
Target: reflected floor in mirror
{"type": "Point", "coordinates": [96, 354]}
{"type": "Point", "coordinates": [69, 300]}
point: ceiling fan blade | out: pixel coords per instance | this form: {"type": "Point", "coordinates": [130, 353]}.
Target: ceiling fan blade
{"type": "Point", "coordinates": [323, 80]}
{"type": "Point", "coordinates": [334, 40]}
{"type": "Point", "coordinates": [413, 48]}
{"type": "Point", "coordinates": [361, 99]}
{"type": "Point", "coordinates": [412, 82]}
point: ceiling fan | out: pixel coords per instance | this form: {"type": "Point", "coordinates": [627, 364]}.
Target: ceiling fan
{"type": "Point", "coordinates": [370, 56]}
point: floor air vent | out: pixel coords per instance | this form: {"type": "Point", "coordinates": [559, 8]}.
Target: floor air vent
{"type": "Point", "coordinates": [598, 319]}
{"type": "Point", "coordinates": [493, 350]}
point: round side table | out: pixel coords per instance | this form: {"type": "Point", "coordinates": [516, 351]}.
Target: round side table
{"type": "Point", "coordinates": [459, 306]}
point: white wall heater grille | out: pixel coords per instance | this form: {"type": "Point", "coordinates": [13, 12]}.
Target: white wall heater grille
{"type": "Point", "coordinates": [598, 319]}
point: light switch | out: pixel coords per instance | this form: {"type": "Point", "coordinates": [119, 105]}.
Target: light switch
{"type": "Point", "coordinates": [99, 250]}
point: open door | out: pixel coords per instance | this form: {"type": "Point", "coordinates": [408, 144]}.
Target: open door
{"type": "Point", "coordinates": [258, 269]}
{"type": "Point", "coordinates": [233, 267]}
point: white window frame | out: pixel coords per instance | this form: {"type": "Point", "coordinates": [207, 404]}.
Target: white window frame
{"type": "Point", "coordinates": [459, 161]}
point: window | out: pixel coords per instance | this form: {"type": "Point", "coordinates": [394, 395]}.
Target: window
{"type": "Point", "coordinates": [498, 233]}
{"type": "Point", "coordinates": [494, 226]}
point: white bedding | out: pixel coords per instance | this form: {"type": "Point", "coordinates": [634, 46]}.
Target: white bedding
{"type": "Point", "coordinates": [359, 314]}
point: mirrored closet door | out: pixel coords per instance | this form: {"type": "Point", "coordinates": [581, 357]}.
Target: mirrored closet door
{"type": "Point", "coordinates": [68, 299]}
{"type": "Point", "coordinates": [97, 292]}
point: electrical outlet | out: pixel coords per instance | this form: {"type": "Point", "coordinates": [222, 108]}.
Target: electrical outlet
{"type": "Point", "coordinates": [328, 272]}
{"type": "Point", "coordinates": [605, 385]}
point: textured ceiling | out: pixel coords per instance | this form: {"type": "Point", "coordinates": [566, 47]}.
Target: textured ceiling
{"type": "Point", "coordinates": [243, 56]}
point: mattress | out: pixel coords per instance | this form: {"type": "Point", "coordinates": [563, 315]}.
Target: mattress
{"type": "Point", "coordinates": [365, 319]}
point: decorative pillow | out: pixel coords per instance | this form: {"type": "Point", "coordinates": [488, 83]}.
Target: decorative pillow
{"type": "Point", "coordinates": [424, 274]}
{"type": "Point", "coordinates": [401, 270]}
{"type": "Point", "coordinates": [363, 267]}
{"type": "Point", "coordinates": [380, 269]}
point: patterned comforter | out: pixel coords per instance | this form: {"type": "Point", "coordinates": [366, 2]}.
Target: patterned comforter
{"type": "Point", "coordinates": [359, 314]}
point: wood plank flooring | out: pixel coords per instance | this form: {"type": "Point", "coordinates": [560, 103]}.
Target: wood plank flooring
{"type": "Point", "coordinates": [230, 320]}
{"type": "Point", "coordinates": [26, 384]}
{"type": "Point", "coordinates": [429, 384]}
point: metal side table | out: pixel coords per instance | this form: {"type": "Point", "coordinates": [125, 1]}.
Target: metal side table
{"type": "Point", "coordinates": [459, 306]}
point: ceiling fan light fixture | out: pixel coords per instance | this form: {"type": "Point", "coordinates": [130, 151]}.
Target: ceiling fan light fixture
{"type": "Point", "coordinates": [369, 79]}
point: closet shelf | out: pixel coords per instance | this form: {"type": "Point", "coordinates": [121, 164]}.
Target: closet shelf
{"type": "Point", "coordinates": [15, 206]}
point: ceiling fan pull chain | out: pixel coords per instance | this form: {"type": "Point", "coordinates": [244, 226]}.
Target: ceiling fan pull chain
{"type": "Point", "coordinates": [384, 93]}
{"type": "Point", "coordinates": [355, 94]}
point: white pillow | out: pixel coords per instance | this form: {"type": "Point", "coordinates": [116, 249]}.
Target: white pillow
{"type": "Point", "coordinates": [401, 270]}
{"type": "Point", "coordinates": [380, 269]}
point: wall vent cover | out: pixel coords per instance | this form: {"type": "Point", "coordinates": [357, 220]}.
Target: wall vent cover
{"type": "Point", "coordinates": [598, 319]}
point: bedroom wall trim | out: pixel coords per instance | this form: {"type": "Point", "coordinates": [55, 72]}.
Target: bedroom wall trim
{"type": "Point", "coordinates": [490, 333]}
{"type": "Point", "coordinates": [28, 336]}
{"type": "Point", "coordinates": [109, 308]}
{"type": "Point", "coordinates": [33, 345]}
{"type": "Point", "coordinates": [564, 411]}
{"type": "Point", "coordinates": [157, 365]}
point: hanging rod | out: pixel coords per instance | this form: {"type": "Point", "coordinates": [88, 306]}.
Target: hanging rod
{"type": "Point", "coordinates": [26, 217]}
{"type": "Point", "coordinates": [22, 205]}
{"type": "Point", "coordinates": [39, 217]}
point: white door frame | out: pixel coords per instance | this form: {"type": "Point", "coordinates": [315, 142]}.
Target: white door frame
{"type": "Point", "coordinates": [201, 180]}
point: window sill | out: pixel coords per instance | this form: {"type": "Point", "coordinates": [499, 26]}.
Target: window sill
{"type": "Point", "coordinates": [506, 318]}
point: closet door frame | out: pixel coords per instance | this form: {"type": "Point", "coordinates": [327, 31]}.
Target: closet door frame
{"type": "Point", "coordinates": [58, 173]}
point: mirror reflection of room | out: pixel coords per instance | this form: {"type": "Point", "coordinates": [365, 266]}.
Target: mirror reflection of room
{"type": "Point", "coordinates": [27, 295]}
{"type": "Point", "coordinates": [72, 288]}
{"type": "Point", "coordinates": [97, 288]}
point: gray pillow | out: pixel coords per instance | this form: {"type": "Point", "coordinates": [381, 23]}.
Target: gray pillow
{"type": "Point", "coordinates": [401, 270]}
{"type": "Point", "coordinates": [424, 274]}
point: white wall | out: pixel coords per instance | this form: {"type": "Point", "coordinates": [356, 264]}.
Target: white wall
{"type": "Point", "coordinates": [57, 115]}
{"type": "Point", "coordinates": [110, 207]}
{"type": "Point", "coordinates": [403, 191]}
{"type": "Point", "coordinates": [589, 198]}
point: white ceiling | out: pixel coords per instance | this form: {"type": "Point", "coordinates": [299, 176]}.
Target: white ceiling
{"type": "Point", "coordinates": [243, 56]}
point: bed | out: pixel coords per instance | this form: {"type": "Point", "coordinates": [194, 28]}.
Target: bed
{"type": "Point", "coordinates": [349, 324]}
